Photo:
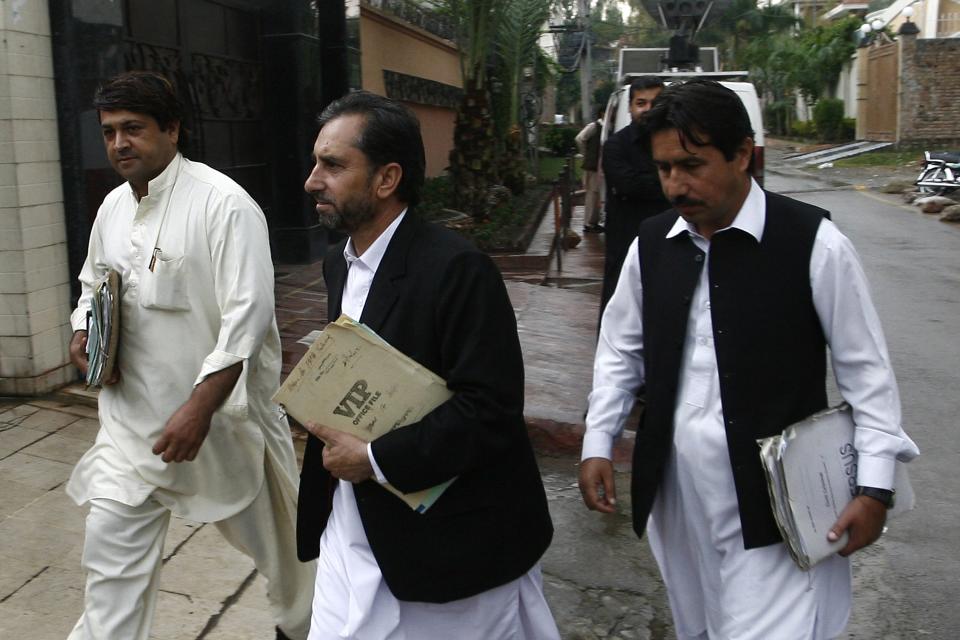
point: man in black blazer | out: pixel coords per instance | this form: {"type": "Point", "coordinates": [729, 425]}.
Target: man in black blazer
{"type": "Point", "coordinates": [633, 189]}
{"type": "Point", "coordinates": [439, 300]}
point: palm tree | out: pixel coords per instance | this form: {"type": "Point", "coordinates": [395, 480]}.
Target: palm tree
{"type": "Point", "coordinates": [472, 167]}
{"type": "Point", "coordinates": [517, 47]}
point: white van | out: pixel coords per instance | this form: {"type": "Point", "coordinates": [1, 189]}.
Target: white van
{"type": "Point", "coordinates": [618, 114]}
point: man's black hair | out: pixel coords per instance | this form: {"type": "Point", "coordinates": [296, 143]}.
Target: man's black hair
{"type": "Point", "coordinates": [391, 133]}
{"type": "Point", "coordinates": [644, 82]}
{"type": "Point", "coordinates": [703, 112]}
{"type": "Point", "coordinates": [141, 92]}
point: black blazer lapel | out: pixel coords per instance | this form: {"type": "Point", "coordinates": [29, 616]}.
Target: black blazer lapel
{"type": "Point", "coordinates": [335, 276]}
{"type": "Point", "coordinates": [386, 285]}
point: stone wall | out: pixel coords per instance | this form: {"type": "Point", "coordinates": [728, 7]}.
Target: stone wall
{"type": "Point", "coordinates": [34, 293]}
{"type": "Point", "coordinates": [929, 91]}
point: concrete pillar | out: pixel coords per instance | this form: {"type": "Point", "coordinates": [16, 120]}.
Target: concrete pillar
{"type": "Point", "coordinates": [907, 76]}
{"type": "Point", "coordinates": [862, 90]}
{"type": "Point", "coordinates": [34, 290]}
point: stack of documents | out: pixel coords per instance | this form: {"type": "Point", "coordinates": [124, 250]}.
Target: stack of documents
{"type": "Point", "coordinates": [103, 329]}
{"type": "Point", "coordinates": [811, 473]}
{"type": "Point", "coordinates": [354, 381]}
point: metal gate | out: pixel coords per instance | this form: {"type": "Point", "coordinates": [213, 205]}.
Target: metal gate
{"type": "Point", "coordinates": [881, 87]}
{"type": "Point", "coordinates": [211, 50]}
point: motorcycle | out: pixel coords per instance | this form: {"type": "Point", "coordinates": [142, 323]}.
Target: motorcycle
{"type": "Point", "coordinates": [940, 174]}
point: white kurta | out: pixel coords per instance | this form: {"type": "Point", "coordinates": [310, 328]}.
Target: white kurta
{"type": "Point", "coordinates": [208, 304]}
{"type": "Point", "coordinates": [717, 589]}
{"type": "Point", "coordinates": [352, 600]}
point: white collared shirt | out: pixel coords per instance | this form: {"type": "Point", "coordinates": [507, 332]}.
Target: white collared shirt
{"type": "Point", "coordinates": [360, 273]}
{"type": "Point", "coordinates": [847, 316]}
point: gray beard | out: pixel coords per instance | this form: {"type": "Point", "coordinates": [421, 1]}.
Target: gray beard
{"type": "Point", "coordinates": [353, 216]}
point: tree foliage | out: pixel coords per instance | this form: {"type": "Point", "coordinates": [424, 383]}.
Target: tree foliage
{"type": "Point", "coordinates": [498, 41]}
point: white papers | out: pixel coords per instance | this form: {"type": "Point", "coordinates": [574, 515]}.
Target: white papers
{"type": "Point", "coordinates": [103, 329]}
{"type": "Point", "coordinates": [811, 476]}
{"type": "Point", "coordinates": [353, 381]}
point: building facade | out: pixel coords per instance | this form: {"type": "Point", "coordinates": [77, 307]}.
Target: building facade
{"type": "Point", "coordinates": [253, 74]}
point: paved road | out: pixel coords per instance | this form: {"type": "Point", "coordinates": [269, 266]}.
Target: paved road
{"type": "Point", "coordinates": [908, 587]}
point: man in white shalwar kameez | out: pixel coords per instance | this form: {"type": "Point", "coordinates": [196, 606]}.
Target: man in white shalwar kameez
{"type": "Point", "coordinates": [187, 425]}
{"type": "Point", "coordinates": [469, 566]}
{"type": "Point", "coordinates": [724, 308]}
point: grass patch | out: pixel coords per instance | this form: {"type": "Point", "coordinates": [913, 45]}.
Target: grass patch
{"type": "Point", "coordinates": [508, 222]}
{"type": "Point", "coordinates": [550, 167]}
{"type": "Point", "coordinates": [884, 158]}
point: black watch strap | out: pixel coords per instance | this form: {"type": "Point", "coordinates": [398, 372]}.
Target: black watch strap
{"type": "Point", "coordinates": [885, 496]}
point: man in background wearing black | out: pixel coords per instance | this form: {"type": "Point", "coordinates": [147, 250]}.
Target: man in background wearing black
{"type": "Point", "coordinates": [633, 189]}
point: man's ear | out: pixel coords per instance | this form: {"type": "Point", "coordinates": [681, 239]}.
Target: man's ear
{"type": "Point", "coordinates": [389, 177]}
{"type": "Point", "coordinates": [173, 130]}
{"type": "Point", "coordinates": [744, 154]}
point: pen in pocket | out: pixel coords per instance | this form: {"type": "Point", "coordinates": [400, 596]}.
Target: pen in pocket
{"type": "Point", "coordinates": [153, 259]}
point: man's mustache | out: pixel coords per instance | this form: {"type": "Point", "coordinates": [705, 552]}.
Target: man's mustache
{"type": "Point", "coordinates": [681, 201]}
{"type": "Point", "coordinates": [322, 200]}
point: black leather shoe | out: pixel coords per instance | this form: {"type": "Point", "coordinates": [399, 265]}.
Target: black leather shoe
{"type": "Point", "coordinates": [281, 635]}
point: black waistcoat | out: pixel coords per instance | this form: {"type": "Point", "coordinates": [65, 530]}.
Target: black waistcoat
{"type": "Point", "coordinates": [591, 151]}
{"type": "Point", "coordinates": [771, 352]}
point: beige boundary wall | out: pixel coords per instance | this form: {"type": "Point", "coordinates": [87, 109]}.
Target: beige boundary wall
{"type": "Point", "coordinates": [34, 289]}
{"type": "Point", "coordinates": [390, 44]}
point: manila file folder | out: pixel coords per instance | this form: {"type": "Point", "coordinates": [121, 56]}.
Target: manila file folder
{"type": "Point", "coordinates": [352, 380]}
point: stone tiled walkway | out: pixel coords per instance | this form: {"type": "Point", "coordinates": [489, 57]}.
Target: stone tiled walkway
{"type": "Point", "coordinates": [208, 589]}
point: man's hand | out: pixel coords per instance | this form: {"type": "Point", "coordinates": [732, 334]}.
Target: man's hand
{"type": "Point", "coordinates": [863, 519]}
{"type": "Point", "coordinates": [596, 485]}
{"type": "Point", "coordinates": [184, 432]}
{"type": "Point", "coordinates": [187, 428]}
{"type": "Point", "coordinates": [78, 356]}
{"type": "Point", "coordinates": [78, 351]}
{"type": "Point", "coordinates": [344, 455]}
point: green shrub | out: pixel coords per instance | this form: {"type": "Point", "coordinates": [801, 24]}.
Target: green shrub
{"type": "Point", "coordinates": [802, 128]}
{"type": "Point", "coordinates": [560, 139]}
{"type": "Point", "coordinates": [777, 116]}
{"type": "Point", "coordinates": [849, 129]}
{"type": "Point", "coordinates": [435, 196]}
{"type": "Point", "coordinates": [828, 119]}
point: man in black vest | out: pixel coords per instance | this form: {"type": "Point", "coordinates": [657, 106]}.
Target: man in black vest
{"type": "Point", "coordinates": [588, 142]}
{"type": "Point", "coordinates": [725, 307]}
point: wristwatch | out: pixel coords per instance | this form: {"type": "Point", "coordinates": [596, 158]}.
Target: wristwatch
{"type": "Point", "coordinates": [885, 496]}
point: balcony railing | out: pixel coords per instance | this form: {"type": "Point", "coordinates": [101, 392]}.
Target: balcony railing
{"type": "Point", "coordinates": [948, 25]}
{"type": "Point", "coordinates": [423, 14]}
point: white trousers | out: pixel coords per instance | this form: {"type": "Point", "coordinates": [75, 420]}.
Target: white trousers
{"type": "Point", "coordinates": [591, 199]}
{"type": "Point", "coordinates": [123, 555]}
{"type": "Point", "coordinates": [352, 600]}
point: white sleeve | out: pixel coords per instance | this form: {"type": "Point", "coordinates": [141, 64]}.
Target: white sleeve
{"type": "Point", "coordinates": [243, 286]}
{"type": "Point", "coordinates": [618, 366]}
{"type": "Point", "coordinates": [581, 138]}
{"type": "Point", "coordinates": [92, 271]}
{"type": "Point", "coordinates": [859, 356]}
